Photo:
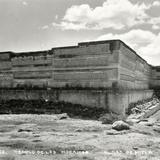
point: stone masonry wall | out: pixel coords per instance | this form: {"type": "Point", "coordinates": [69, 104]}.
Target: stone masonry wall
{"type": "Point", "coordinates": [106, 74]}
{"type": "Point", "coordinates": [155, 78]}
{"type": "Point", "coordinates": [87, 65]}
{"type": "Point", "coordinates": [134, 72]}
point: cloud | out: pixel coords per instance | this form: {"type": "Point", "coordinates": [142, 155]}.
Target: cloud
{"type": "Point", "coordinates": [56, 17]}
{"type": "Point", "coordinates": [144, 42]}
{"type": "Point", "coordinates": [152, 48]}
{"type": "Point", "coordinates": [70, 26]}
{"type": "Point", "coordinates": [116, 14]}
{"type": "Point", "coordinates": [24, 3]}
{"type": "Point", "coordinates": [44, 27]}
{"type": "Point", "coordinates": [155, 23]}
{"type": "Point", "coordinates": [155, 27]}
{"type": "Point", "coordinates": [156, 3]}
{"type": "Point", "coordinates": [135, 38]}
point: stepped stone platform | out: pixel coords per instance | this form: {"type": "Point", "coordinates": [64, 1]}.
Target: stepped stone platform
{"type": "Point", "coordinates": [102, 74]}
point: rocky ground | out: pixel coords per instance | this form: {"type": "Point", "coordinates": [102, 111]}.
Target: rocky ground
{"type": "Point", "coordinates": [59, 137]}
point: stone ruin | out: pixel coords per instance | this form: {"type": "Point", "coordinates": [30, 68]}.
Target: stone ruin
{"type": "Point", "coordinates": [102, 74]}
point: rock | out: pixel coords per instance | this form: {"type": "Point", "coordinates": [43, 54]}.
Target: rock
{"type": "Point", "coordinates": [78, 130]}
{"type": "Point", "coordinates": [24, 130]}
{"type": "Point", "coordinates": [89, 129]}
{"type": "Point", "coordinates": [29, 127]}
{"type": "Point", "coordinates": [136, 110]}
{"type": "Point", "coordinates": [120, 125]}
{"type": "Point", "coordinates": [111, 132]}
{"type": "Point", "coordinates": [110, 118]}
{"type": "Point", "coordinates": [114, 132]}
{"type": "Point", "coordinates": [146, 123]}
{"type": "Point", "coordinates": [144, 120]}
{"type": "Point", "coordinates": [63, 116]}
{"type": "Point", "coordinates": [135, 148]}
{"type": "Point", "coordinates": [132, 121]}
{"type": "Point", "coordinates": [157, 129]}
{"type": "Point", "coordinates": [157, 124]}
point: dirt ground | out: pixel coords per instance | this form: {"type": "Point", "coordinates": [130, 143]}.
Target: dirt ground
{"type": "Point", "coordinates": [47, 137]}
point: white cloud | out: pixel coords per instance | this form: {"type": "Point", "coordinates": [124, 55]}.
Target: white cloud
{"type": "Point", "coordinates": [117, 14]}
{"type": "Point", "coordinates": [155, 27]}
{"type": "Point", "coordinates": [45, 27]}
{"type": "Point", "coordinates": [144, 42]}
{"type": "Point", "coordinates": [152, 48]}
{"type": "Point", "coordinates": [24, 3]}
{"type": "Point", "coordinates": [156, 3]}
{"type": "Point", "coordinates": [134, 38]}
{"type": "Point", "coordinates": [56, 17]}
{"type": "Point", "coordinates": [70, 26]}
{"type": "Point", "coordinates": [155, 23]}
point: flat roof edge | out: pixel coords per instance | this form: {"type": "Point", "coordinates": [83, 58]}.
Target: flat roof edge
{"type": "Point", "coordinates": [98, 42]}
{"type": "Point", "coordinates": [77, 46]}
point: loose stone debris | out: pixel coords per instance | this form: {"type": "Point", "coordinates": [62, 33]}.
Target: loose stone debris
{"type": "Point", "coordinates": [120, 125]}
{"type": "Point", "coordinates": [142, 110]}
{"type": "Point", "coordinates": [110, 118]}
{"type": "Point", "coordinates": [63, 116]}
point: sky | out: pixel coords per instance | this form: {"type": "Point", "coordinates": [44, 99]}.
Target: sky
{"type": "Point", "coordinates": [31, 25]}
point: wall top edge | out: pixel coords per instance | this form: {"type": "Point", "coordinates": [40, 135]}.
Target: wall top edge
{"type": "Point", "coordinates": [115, 45]}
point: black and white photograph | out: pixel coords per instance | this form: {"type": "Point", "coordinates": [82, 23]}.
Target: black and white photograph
{"type": "Point", "coordinates": [79, 79]}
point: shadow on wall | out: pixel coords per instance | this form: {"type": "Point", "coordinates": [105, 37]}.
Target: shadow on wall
{"type": "Point", "coordinates": [49, 107]}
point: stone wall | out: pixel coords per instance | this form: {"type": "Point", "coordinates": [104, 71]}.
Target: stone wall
{"type": "Point", "coordinates": [89, 65]}
{"type": "Point", "coordinates": [104, 64]}
{"type": "Point", "coordinates": [109, 100]}
{"type": "Point", "coordinates": [105, 74]}
{"type": "Point", "coordinates": [134, 72]}
{"type": "Point", "coordinates": [6, 75]}
{"type": "Point", "coordinates": [155, 78]}
{"type": "Point", "coordinates": [118, 101]}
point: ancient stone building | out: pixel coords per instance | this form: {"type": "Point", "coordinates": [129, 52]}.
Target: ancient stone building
{"type": "Point", "coordinates": [107, 74]}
